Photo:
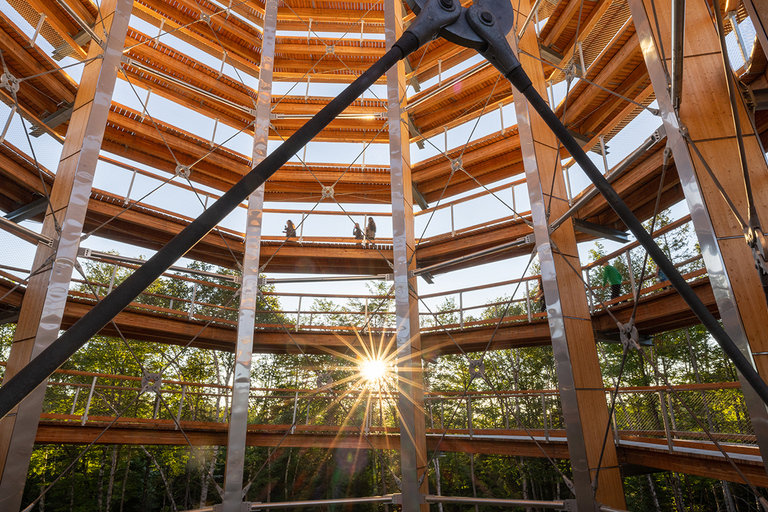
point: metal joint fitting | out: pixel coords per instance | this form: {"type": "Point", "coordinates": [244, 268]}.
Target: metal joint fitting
{"type": "Point", "coordinates": [151, 381]}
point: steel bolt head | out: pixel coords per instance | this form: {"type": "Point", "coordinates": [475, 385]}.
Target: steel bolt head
{"type": "Point", "coordinates": [486, 17]}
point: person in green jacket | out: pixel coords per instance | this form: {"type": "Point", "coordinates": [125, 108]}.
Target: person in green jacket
{"type": "Point", "coordinates": [612, 276]}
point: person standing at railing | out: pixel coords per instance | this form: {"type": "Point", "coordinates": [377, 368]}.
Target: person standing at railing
{"type": "Point", "coordinates": [357, 232]}
{"type": "Point", "coordinates": [370, 229]}
{"type": "Point", "coordinates": [612, 276]}
{"type": "Point", "coordinates": [290, 229]}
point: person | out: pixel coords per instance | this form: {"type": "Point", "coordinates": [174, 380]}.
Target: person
{"type": "Point", "coordinates": [357, 232]}
{"type": "Point", "coordinates": [612, 276]}
{"type": "Point", "coordinates": [290, 229]}
{"type": "Point", "coordinates": [370, 229]}
{"type": "Point", "coordinates": [661, 277]}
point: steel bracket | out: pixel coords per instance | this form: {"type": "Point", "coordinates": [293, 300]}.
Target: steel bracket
{"type": "Point", "coordinates": [328, 191]}
{"type": "Point", "coordinates": [10, 82]}
{"type": "Point", "coordinates": [183, 171]}
{"type": "Point", "coordinates": [476, 368]}
{"type": "Point", "coordinates": [151, 381]}
{"type": "Point", "coordinates": [324, 380]}
{"type": "Point", "coordinates": [629, 336]}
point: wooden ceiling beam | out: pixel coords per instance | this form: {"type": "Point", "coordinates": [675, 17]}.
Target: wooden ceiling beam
{"type": "Point", "coordinates": [60, 23]}
{"type": "Point", "coordinates": [576, 105]}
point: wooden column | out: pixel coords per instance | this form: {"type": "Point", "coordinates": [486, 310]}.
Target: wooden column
{"type": "Point", "coordinates": [705, 113]}
{"type": "Point", "coordinates": [46, 295]}
{"type": "Point", "coordinates": [573, 342]}
{"type": "Point", "coordinates": [413, 440]}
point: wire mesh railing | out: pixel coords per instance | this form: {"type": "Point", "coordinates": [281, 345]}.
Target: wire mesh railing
{"type": "Point", "coordinates": [641, 413]}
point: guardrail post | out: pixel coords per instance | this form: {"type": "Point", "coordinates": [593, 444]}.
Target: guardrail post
{"type": "Point", "coordinates": [298, 316]}
{"type": "Point", "coordinates": [589, 291]}
{"type": "Point", "coordinates": [192, 301]}
{"type": "Point", "coordinates": [528, 301]}
{"type": "Point", "coordinates": [88, 403]}
{"type": "Point", "coordinates": [469, 415]}
{"type": "Point", "coordinates": [615, 427]}
{"type": "Point", "coordinates": [631, 275]}
{"type": "Point", "coordinates": [157, 407]}
{"type": "Point", "coordinates": [545, 416]}
{"type": "Point", "coordinates": [181, 405]}
{"type": "Point", "coordinates": [453, 226]}
{"type": "Point", "coordinates": [295, 410]}
{"type": "Point", "coordinates": [461, 310]}
{"type": "Point", "coordinates": [567, 174]}
{"type": "Point", "coordinates": [665, 416]}
{"type": "Point", "coordinates": [74, 401]}
{"type": "Point", "coordinates": [112, 279]}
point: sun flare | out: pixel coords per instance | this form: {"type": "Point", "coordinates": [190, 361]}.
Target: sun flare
{"type": "Point", "coordinates": [373, 370]}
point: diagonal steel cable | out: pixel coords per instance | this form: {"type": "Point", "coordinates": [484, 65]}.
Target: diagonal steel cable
{"type": "Point", "coordinates": [218, 230]}
{"type": "Point", "coordinates": [46, 193]}
{"type": "Point", "coordinates": [651, 231]}
{"type": "Point", "coordinates": [701, 425]}
{"type": "Point", "coordinates": [149, 115]}
{"type": "Point", "coordinates": [652, 111]}
{"type": "Point", "coordinates": [59, 69]}
{"type": "Point", "coordinates": [185, 26]}
{"type": "Point", "coordinates": [130, 205]}
{"type": "Point", "coordinates": [43, 267]}
{"type": "Point", "coordinates": [82, 452]}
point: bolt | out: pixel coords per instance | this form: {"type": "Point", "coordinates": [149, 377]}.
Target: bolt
{"type": "Point", "coordinates": [447, 4]}
{"type": "Point", "coordinates": [486, 17]}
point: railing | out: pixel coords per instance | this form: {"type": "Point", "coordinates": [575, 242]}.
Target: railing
{"type": "Point", "coordinates": [646, 413]}
{"type": "Point", "coordinates": [206, 297]}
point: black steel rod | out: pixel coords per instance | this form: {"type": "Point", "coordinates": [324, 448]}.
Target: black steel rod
{"type": "Point", "coordinates": [523, 84]}
{"type": "Point", "coordinates": [38, 370]}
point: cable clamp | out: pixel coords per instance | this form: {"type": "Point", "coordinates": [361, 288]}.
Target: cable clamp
{"type": "Point", "coordinates": [204, 17]}
{"type": "Point", "coordinates": [328, 191]}
{"type": "Point", "coordinates": [151, 381]}
{"type": "Point", "coordinates": [629, 336]}
{"type": "Point", "coordinates": [456, 164]}
{"type": "Point", "coordinates": [330, 49]}
{"type": "Point", "coordinates": [10, 82]}
{"type": "Point", "coordinates": [182, 171]}
{"type": "Point", "coordinates": [324, 380]}
{"type": "Point", "coordinates": [476, 368]}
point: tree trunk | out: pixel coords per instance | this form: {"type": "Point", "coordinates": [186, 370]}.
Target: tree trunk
{"type": "Point", "coordinates": [100, 487]}
{"type": "Point", "coordinates": [115, 455]}
{"type": "Point", "coordinates": [146, 481]}
{"type": "Point", "coordinates": [162, 476]}
{"type": "Point", "coordinates": [204, 477]}
{"type": "Point", "coordinates": [125, 479]}
{"type": "Point", "coordinates": [653, 493]}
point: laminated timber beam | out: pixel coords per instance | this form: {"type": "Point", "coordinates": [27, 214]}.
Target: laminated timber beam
{"type": "Point", "coordinates": [158, 432]}
{"type": "Point", "coordinates": [657, 313]}
{"type": "Point", "coordinates": [596, 475]}
{"type": "Point", "coordinates": [46, 296]}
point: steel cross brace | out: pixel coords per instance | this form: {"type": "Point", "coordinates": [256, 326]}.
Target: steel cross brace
{"type": "Point", "coordinates": [483, 17]}
{"type": "Point", "coordinates": [483, 27]}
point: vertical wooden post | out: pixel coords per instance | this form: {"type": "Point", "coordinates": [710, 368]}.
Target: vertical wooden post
{"type": "Point", "coordinates": [705, 113]}
{"type": "Point", "coordinates": [578, 370]}
{"type": "Point", "coordinates": [413, 441]}
{"type": "Point", "coordinates": [46, 295]}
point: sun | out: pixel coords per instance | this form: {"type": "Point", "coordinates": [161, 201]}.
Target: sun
{"type": "Point", "coordinates": [373, 370]}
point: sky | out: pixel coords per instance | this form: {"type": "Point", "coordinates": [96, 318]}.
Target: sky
{"type": "Point", "coordinates": [117, 180]}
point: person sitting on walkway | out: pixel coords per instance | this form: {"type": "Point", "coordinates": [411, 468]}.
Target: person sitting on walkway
{"type": "Point", "coordinates": [357, 232]}
{"type": "Point", "coordinates": [290, 229]}
{"type": "Point", "coordinates": [370, 229]}
{"type": "Point", "coordinates": [612, 276]}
